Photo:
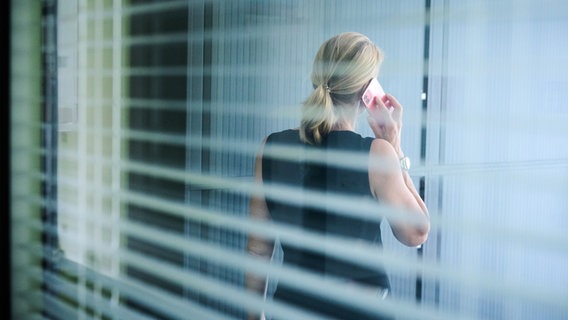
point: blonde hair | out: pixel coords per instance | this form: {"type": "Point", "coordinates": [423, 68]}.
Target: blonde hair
{"type": "Point", "coordinates": [343, 66]}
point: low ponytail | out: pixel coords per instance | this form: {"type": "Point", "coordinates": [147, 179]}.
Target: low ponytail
{"type": "Point", "coordinates": [343, 66]}
{"type": "Point", "coordinates": [318, 116]}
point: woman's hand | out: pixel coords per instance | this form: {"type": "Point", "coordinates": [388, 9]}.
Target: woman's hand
{"type": "Point", "coordinates": [387, 124]}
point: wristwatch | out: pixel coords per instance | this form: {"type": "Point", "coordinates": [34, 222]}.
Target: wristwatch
{"type": "Point", "coordinates": [405, 163]}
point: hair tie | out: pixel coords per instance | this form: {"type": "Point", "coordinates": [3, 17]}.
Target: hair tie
{"type": "Point", "coordinates": [327, 88]}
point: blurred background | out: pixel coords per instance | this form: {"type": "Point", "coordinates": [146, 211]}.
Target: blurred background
{"type": "Point", "coordinates": [134, 125]}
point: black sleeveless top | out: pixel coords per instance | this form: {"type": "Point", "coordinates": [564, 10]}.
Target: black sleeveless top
{"type": "Point", "coordinates": [295, 172]}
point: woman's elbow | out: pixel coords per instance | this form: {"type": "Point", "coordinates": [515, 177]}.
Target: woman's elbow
{"type": "Point", "coordinates": [414, 237]}
{"type": "Point", "coordinates": [418, 239]}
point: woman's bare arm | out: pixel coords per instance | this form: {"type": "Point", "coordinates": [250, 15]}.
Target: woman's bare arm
{"type": "Point", "coordinates": [394, 187]}
{"type": "Point", "coordinates": [389, 183]}
{"type": "Point", "coordinates": [256, 245]}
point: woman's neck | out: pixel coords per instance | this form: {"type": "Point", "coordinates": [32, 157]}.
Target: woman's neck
{"type": "Point", "coordinates": [347, 117]}
{"type": "Point", "coordinates": [344, 126]}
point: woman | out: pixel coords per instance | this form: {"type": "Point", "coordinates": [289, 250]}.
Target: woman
{"type": "Point", "coordinates": [343, 68]}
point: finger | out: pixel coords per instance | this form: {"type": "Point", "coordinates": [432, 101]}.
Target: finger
{"type": "Point", "coordinates": [377, 112]}
{"type": "Point", "coordinates": [394, 102]}
{"type": "Point", "coordinates": [397, 108]}
{"type": "Point", "coordinates": [381, 118]}
{"type": "Point", "coordinates": [382, 107]}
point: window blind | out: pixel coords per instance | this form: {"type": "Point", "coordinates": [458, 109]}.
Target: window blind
{"type": "Point", "coordinates": [134, 127]}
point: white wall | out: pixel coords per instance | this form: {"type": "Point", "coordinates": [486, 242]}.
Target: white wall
{"type": "Point", "coordinates": [499, 136]}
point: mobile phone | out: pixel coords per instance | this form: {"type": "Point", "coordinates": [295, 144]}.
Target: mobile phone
{"type": "Point", "coordinates": [373, 90]}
